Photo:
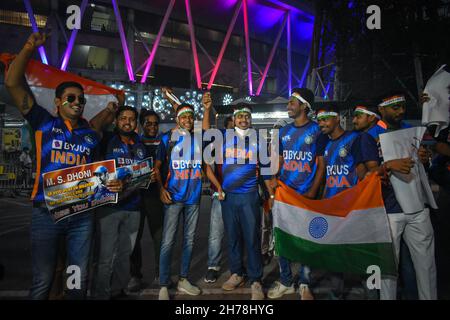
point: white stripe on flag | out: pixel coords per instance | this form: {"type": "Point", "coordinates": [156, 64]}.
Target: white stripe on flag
{"type": "Point", "coordinates": [360, 226]}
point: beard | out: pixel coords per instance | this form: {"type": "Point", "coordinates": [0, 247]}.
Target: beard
{"type": "Point", "coordinates": [125, 133]}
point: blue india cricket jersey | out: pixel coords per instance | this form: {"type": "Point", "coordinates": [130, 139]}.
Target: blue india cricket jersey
{"type": "Point", "coordinates": [241, 165]}
{"type": "Point", "coordinates": [300, 147]}
{"type": "Point", "coordinates": [390, 201]}
{"type": "Point", "coordinates": [184, 178]}
{"type": "Point", "coordinates": [58, 145]}
{"type": "Point", "coordinates": [342, 155]}
{"type": "Point", "coordinates": [124, 154]}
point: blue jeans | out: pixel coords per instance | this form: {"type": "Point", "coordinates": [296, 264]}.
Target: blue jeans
{"type": "Point", "coordinates": [45, 234]}
{"type": "Point", "coordinates": [215, 235]}
{"type": "Point", "coordinates": [171, 217]}
{"type": "Point", "coordinates": [242, 220]}
{"type": "Point", "coordinates": [286, 274]}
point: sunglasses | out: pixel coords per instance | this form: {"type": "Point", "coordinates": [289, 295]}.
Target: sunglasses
{"type": "Point", "coordinates": [71, 98]}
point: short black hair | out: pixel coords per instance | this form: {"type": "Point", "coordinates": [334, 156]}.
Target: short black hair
{"type": "Point", "coordinates": [145, 113]}
{"type": "Point", "coordinates": [329, 107]}
{"type": "Point", "coordinates": [227, 119]}
{"type": "Point", "coordinates": [126, 108]}
{"type": "Point", "coordinates": [306, 94]}
{"type": "Point", "coordinates": [64, 85]}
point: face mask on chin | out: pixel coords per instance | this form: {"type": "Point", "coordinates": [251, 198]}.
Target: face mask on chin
{"type": "Point", "coordinates": [242, 132]}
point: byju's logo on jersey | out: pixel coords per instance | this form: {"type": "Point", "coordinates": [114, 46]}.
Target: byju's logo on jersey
{"type": "Point", "coordinates": [57, 144]}
{"type": "Point", "coordinates": [343, 152]}
{"type": "Point", "coordinates": [309, 139]}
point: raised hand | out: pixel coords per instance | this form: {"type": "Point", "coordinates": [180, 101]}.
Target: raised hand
{"type": "Point", "coordinates": [35, 40]}
{"type": "Point", "coordinates": [207, 101]}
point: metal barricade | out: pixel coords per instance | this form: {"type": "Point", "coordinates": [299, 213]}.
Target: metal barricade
{"type": "Point", "coordinates": [14, 179]}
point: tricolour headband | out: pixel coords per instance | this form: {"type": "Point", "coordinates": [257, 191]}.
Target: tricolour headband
{"type": "Point", "coordinates": [184, 110]}
{"type": "Point", "coordinates": [299, 97]}
{"type": "Point", "coordinates": [242, 110]}
{"type": "Point", "coordinates": [392, 100]}
{"type": "Point", "coordinates": [363, 109]}
{"type": "Point", "coordinates": [323, 114]}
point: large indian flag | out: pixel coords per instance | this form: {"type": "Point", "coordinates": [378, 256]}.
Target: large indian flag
{"type": "Point", "coordinates": [346, 233]}
{"type": "Point", "coordinates": [43, 80]}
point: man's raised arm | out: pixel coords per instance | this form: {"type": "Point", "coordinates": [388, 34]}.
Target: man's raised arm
{"type": "Point", "coordinates": [15, 81]}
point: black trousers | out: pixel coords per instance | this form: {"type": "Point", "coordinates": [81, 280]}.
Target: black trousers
{"type": "Point", "coordinates": [152, 210]}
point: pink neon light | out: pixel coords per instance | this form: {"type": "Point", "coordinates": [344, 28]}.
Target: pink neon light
{"type": "Point", "coordinates": [124, 41]}
{"type": "Point", "coordinates": [193, 44]}
{"type": "Point", "coordinates": [289, 62]}
{"type": "Point", "coordinates": [71, 43]}
{"type": "Point", "coordinates": [224, 44]}
{"type": "Point", "coordinates": [35, 29]}
{"type": "Point", "coordinates": [157, 40]}
{"type": "Point", "coordinates": [247, 49]}
{"type": "Point", "coordinates": [272, 53]}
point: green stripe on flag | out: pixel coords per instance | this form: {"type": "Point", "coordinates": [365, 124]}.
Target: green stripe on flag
{"type": "Point", "coordinates": [348, 258]}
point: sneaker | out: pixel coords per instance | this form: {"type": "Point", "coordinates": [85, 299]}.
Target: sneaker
{"type": "Point", "coordinates": [257, 292]}
{"type": "Point", "coordinates": [134, 285]}
{"type": "Point", "coordinates": [305, 292]}
{"type": "Point", "coordinates": [211, 276]}
{"type": "Point", "coordinates": [163, 294]}
{"type": "Point", "coordinates": [278, 290]}
{"type": "Point", "coordinates": [233, 282]}
{"type": "Point", "coordinates": [185, 286]}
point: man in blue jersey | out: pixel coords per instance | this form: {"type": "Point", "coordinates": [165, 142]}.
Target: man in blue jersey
{"type": "Point", "coordinates": [414, 227]}
{"type": "Point", "coordinates": [302, 169]}
{"type": "Point", "coordinates": [118, 223]}
{"type": "Point", "coordinates": [348, 155]}
{"type": "Point", "coordinates": [181, 150]}
{"type": "Point", "coordinates": [152, 208]}
{"type": "Point", "coordinates": [240, 154]}
{"type": "Point", "coordinates": [70, 136]}
{"type": "Point", "coordinates": [366, 118]}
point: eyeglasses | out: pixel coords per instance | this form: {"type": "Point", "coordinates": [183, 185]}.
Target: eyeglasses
{"type": "Point", "coordinates": [71, 98]}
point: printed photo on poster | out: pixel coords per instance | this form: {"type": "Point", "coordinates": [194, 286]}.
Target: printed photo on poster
{"type": "Point", "coordinates": [77, 189]}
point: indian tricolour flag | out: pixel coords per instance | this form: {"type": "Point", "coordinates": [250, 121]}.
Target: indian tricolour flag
{"type": "Point", "coordinates": [43, 80]}
{"type": "Point", "coordinates": [346, 233]}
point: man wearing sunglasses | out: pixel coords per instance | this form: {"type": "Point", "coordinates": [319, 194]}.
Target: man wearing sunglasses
{"type": "Point", "coordinates": [415, 228]}
{"type": "Point", "coordinates": [70, 135]}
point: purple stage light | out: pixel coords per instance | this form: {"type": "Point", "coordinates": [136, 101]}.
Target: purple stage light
{"type": "Point", "coordinates": [73, 35]}
{"type": "Point", "coordinates": [193, 44]}
{"type": "Point", "coordinates": [272, 53]}
{"type": "Point", "coordinates": [35, 29]}
{"type": "Point", "coordinates": [247, 49]}
{"type": "Point", "coordinates": [224, 44]}
{"type": "Point", "coordinates": [124, 41]}
{"type": "Point", "coordinates": [157, 40]}
{"type": "Point", "coordinates": [289, 61]}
